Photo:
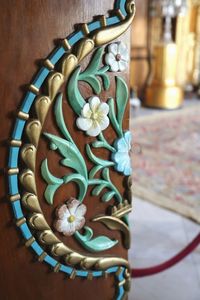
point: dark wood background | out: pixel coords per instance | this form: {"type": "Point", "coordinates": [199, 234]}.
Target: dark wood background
{"type": "Point", "coordinates": [28, 30]}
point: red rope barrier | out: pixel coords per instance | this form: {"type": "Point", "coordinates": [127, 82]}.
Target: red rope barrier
{"type": "Point", "coordinates": [135, 273]}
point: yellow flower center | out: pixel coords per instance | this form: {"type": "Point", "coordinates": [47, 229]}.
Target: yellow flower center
{"type": "Point", "coordinates": [95, 116]}
{"type": "Point", "coordinates": [71, 219]}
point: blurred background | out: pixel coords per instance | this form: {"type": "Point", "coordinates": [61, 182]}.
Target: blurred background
{"type": "Point", "coordinates": [165, 122]}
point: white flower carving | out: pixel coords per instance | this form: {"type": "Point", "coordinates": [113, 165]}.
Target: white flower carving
{"type": "Point", "coordinates": [93, 117]}
{"type": "Point", "coordinates": [70, 217]}
{"type": "Point", "coordinates": [117, 57]}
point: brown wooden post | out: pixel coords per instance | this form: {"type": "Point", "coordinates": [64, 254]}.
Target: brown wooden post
{"type": "Point", "coordinates": [65, 169]}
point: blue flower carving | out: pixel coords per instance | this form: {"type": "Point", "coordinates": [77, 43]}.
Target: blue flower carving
{"type": "Point", "coordinates": [121, 157]}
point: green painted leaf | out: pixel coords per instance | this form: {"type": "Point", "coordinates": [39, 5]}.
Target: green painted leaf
{"type": "Point", "coordinates": [97, 190]}
{"type": "Point", "coordinates": [98, 144]}
{"type": "Point", "coordinates": [121, 99]}
{"type": "Point", "coordinates": [53, 182]}
{"type": "Point", "coordinates": [108, 196]}
{"type": "Point", "coordinates": [105, 174]}
{"type": "Point", "coordinates": [96, 160]}
{"type": "Point", "coordinates": [75, 98]}
{"type": "Point", "coordinates": [88, 234]}
{"type": "Point", "coordinates": [94, 170]}
{"type": "Point", "coordinates": [60, 119]}
{"type": "Point", "coordinates": [98, 244]}
{"type": "Point", "coordinates": [72, 158]}
{"type": "Point", "coordinates": [93, 82]}
{"type": "Point", "coordinates": [113, 119]}
{"type": "Point", "coordinates": [106, 81]}
{"type": "Point", "coordinates": [81, 181]}
{"type": "Point", "coordinates": [95, 62]}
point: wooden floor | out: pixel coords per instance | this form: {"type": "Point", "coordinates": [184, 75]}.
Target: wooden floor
{"type": "Point", "coordinates": [158, 234]}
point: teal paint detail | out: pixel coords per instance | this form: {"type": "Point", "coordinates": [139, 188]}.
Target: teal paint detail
{"type": "Point", "coordinates": [98, 244]}
{"type": "Point", "coordinates": [53, 182]}
{"type": "Point", "coordinates": [102, 143]}
{"type": "Point", "coordinates": [97, 161]}
{"type": "Point", "coordinates": [121, 157]}
{"type": "Point", "coordinates": [92, 71]}
{"type": "Point", "coordinates": [81, 182]}
{"type": "Point", "coordinates": [75, 98]}
{"type": "Point", "coordinates": [90, 76]}
{"type": "Point", "coordinates": [105, 183]}
{"type": "Point", "coordinates": [121, 99]}
{"type": "Point", "coordinates": [74, 160]}
{"type": "Point", "coordinates": [116, 118]}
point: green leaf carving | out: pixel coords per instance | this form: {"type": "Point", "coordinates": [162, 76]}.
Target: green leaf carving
{"type": "Point", "coordinates": [60, 119]}
{"type": "Point", "coordinates": [121, 99]}
{"type": "Point", "coordinates": [108, 196]}
{"type": "Point", "coordinates": [95, 62]}
{"type": "Point", "coordinates": [97, 190]}
{"type": "Point", "coordinates": [113, 119]}
{"type": "Point", "coordinates": [72, 158]}
{"type": "Point", "coordinates": [116, 118]}
{"type": "Point", "coordinates": [114, 223]}
{"type": "Point", "coordinates": [93, 82]}
{"type": "Point", "coordinates": [96, 160]}
{"type": "Point", "coordinates": [81, 181]}
{"type": "Point", "coordinates": [53, 182]}
{"type": "Point", "coordinates": [75, 98]}
{"type": "Point", "coordinates": [100, 243]}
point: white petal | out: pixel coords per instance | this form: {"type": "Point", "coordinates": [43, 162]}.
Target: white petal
{"type": "Point", "coordinates": [122, 65]}
{"type": "Point", "coordinates": [115, 66]}
{"type": "Point", "coordinates": [104, 123]}
{"type": "Point", "coordinates": [122, 48]}
{"type": "Point", "coordinates": [125, 56]}
{"type": "Point", "coordinates": [113, 48]}
{"type": "Point", "coordinates": [69, 229]}
{"type": "Point", "coordinates": [103, 108]}
{"type": "Point", "coordinates": [80, 211]}
{"type": "Point", "coordinates": [79, 223]}
{"type": "Point", "coordinates": [65, 227]}
{"type": "Point", "coordinates": [72, 206]}
{"type": "Point", "coordinates": [94, 103]}
{"type": "Point", "coordinates": [83, 123]}
{"type": "Point", "coordinates": [94, 130]}
{"type": "Point", "coordinates": [86, 111]}
{"type": "Point", "coordinates": [110, 59]}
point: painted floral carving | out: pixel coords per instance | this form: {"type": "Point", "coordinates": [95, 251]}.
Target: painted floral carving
{"type": "Point", "coordinates": [121, 157]}
{"type": "Point", "coordinates": [117, 57]}
{"type": "Point", "coordinates": [93, 117]}
{"type": "Point", "coordinates": [70, 217]}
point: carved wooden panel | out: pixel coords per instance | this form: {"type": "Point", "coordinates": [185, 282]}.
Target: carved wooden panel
{"type": "Point", "coordinates": [68, 164]}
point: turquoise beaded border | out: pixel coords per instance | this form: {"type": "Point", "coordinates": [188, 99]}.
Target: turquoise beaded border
{"type": "Point", "coordinates": [54, 57]}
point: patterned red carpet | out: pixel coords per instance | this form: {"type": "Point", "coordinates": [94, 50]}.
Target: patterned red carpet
{"type": "Point", "coordinates": [166, 160]}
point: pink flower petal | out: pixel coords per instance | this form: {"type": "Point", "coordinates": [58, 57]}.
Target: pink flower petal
{"type": "Point", "coordinates": [62, 212]}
